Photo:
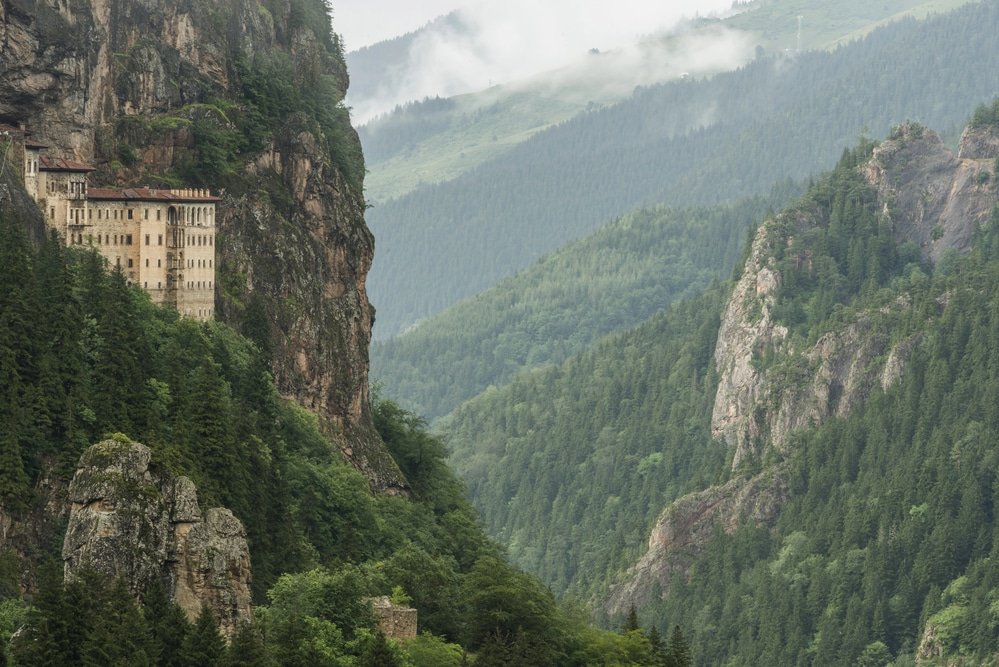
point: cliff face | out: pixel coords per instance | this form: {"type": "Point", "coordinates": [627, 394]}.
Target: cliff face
{"type": "Point", "coordinates": [772, 385]}
{"type": "Point", "coordinates": [141, 88]}
{"type": "Point", "coordinates": [129, 519]}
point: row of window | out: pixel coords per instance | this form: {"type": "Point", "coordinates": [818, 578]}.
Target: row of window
{"type": "Point", "coordinates": [73, 187]}
{"type": "Point", "coordinates": [31, 168]}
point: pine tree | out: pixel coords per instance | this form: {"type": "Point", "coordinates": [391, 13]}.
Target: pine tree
{"type": "Point", "coordinates": [678, 654]}
{"type": "Point", "coordinates": [247, 649]}
{"type": "Point", "coordinates": [203, 646]}
{"type": "Point", "coordinates": [119, 637]}
{"type": "Point", "coordinates": [631, 621]}
{"type": "Point", "coordinates": [167, 626]}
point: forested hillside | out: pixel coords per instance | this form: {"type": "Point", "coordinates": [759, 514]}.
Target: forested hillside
{"type": "Point", "coordinates": [777, 117]}
{"type": "Point", "coordinates": [878, 539]}
{"type": "Point", "coordinates": [84, 355]}
{"type": "Point", "coordinates": [614, 279]}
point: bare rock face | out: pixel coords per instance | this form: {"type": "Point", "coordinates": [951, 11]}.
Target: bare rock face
{"type": "Point", "coordinates": [934, 199]}
{"type": "Point", "coordinates": [132, 520]}
{"type": "Point", "coordinates": [747, 332]}
{"type": "Point", "coordinates": [979, 143]}
{"type": "Point", "coordinates": [931, 198]}
{"type": "Point", "coordinates": [687, 525]}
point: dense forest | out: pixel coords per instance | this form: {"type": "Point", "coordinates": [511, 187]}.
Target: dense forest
{"type": "Point", "coordinates": [686, 143]}
{"type": "Point", "coordinates": [84, 355]}
{"type": "Point", "coordinates": [614, 279]}
{"type": "Point", "coordinates": [889, 531]}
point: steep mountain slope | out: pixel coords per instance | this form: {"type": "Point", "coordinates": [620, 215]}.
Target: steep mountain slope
{"type": "Point", "coordinates": [814, 328]}
{"type": "Point", "coordinates": [873, 515]}
{"type": "Point", "coordinates": [776, 117]}
{"type": "Point", "coordinates": [613, 280]}
{"type": "Point", "coordinates": [242, 96]}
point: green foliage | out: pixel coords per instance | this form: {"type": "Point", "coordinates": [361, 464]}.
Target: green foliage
{"type": "Point", "coordinates": [430, 651]}
{"type": "Point", "coordinates": [570, 465]}
{"type": "Point", "coordinates": [986, 116]}
{"type": "Point", "coordinates": [203, 646]}
{"type": "Point", "coordinates": [101, 361]}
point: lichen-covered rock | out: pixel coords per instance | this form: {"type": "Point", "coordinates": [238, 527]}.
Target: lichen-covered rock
{"type": "Point", "coordinates": [130, 519]}
{"type": "Point", "coordinates": [931, 197]}
{"type": "Point", "coordinates": [979, 143]}
{"type": "Point", "coordinates": [687, 525]}
{"type": "Point", "coordinates": [211, 566]}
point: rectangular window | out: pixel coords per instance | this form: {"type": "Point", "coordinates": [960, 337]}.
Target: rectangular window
{"type": "Point", "coordinates": [147, 262]}
{"type": "Point", "coordinates": [52, 212]}
{"type": "Point", "coordinates": [160, 236]}
{"type": "Point", "coordinates": [147, 239]}
{"type": "Point", "coordinates": [145, 214]}
{"type": "Point", "coordinates": [128, 239]}
{"type": "Point", "coordinates": [129, 214]}
{"type": "Point", "coordinates": [157, 215]}
{"type": "Point", "coordinates": [159, 263]}
{"type": "Point", "coordinates": [130, 263]}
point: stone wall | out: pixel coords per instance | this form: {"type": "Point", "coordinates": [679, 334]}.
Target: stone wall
{"type": "Point", "coordinates": [393, 620]}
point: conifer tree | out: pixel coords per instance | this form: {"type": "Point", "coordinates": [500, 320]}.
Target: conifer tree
{"type": "Point", "coordinates": [203, 646]}
{"type": "Point", "coordinates": [118, 637]}
{"type": "Point", "coordinates": [631, 621]}
{"type": "Point", "coordinates": [247, 649]}
{"type": "Point", "coordinates": [678, 654]}
{"type": "Point", "coordinates": [167, 626]}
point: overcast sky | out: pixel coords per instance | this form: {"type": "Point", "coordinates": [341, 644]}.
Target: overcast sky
{"type": "Point", "coordinates": [504, 41]}
{"type": "Point", "coordinates": [364, 22]}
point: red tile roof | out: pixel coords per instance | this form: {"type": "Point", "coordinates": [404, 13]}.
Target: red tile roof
{"type": "Point", "coordinates": [48, 163]}
{"type": "Point", "coordinates": [31, 143]}
{"type": "Point", "coordinates": [152, 194]}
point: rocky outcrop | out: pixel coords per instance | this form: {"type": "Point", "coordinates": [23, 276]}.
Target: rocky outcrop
{"type": "Point", "coordinates": [932, 197]}
{"type": "Point", "coordinates": [979, 143]}
{"type": "Point", "coordinates": [767, 389]}
{"type": "Point", "coordinates": [121, 83]}
{"type": "Point", "coordinates": [687, 525]}
{"type": "Point", "coordinates": [130, 519]}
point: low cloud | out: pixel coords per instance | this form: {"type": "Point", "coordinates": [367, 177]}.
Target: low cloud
{"type": "Point", "coordinates": [499, 41]}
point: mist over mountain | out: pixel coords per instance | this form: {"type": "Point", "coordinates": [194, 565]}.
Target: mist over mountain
{"type": "Point", "coordinates": [493, 43]}
{"type": "Point", "coordinates": [682, 143]}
